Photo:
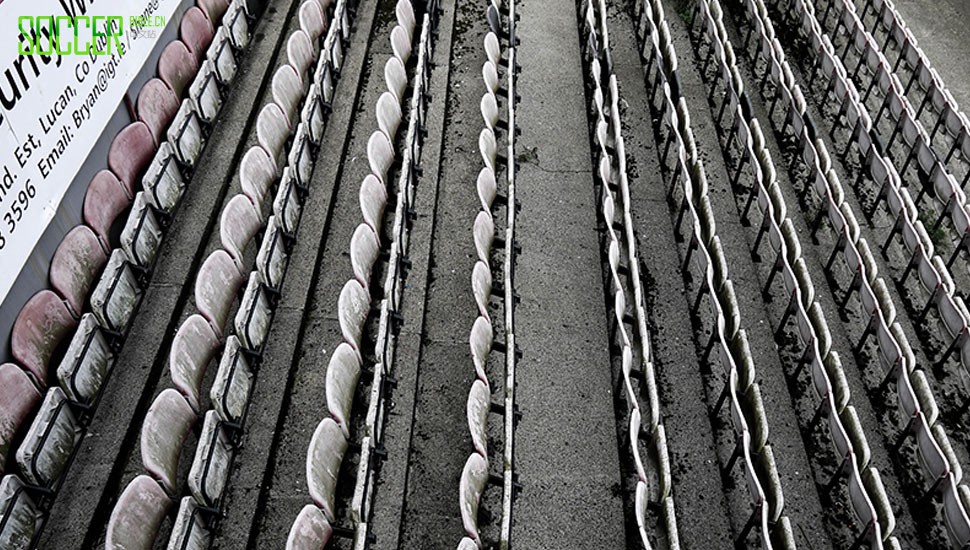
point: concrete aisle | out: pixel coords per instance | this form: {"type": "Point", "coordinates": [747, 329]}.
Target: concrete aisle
{"type": "Point", "coordinates": [566, 448]}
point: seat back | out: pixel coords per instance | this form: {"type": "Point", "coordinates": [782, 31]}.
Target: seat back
{"type": "Point", "coordinates": [137, 516]}
{"type": "Point", "coordinates": [324, 456]}
{"type": "Point", "coordinates": [167, 423]}
{"type": "Point", "coordinates": [43, 322]}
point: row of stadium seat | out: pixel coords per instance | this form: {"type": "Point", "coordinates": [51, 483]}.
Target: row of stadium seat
{"type": "Point", "coordinates": [475, 474]}
{"type": "Point", "coordinates": [373, 345]}
{"type": "Point", "coordinates": [285, 150]}
{"type": "Point", "coordinates": [654, 486]}
{"type": "Point", "coordinates": [688, 178]}
{"type": "Point", "coordinates": [866, 494]}
{"type": "Point", "coordinates": [82, 269]}
{"type": "Point", "coordinates": [916, 401]}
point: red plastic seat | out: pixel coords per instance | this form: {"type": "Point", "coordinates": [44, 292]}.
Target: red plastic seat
{"type": "Point", "coordinates": [137, 515]}
{"type": "Point", "coordinates": [157, 105]}
{"type": "Point", "coordinates": [130, 153]}
{"type": "Point", "coordinates": [76, 263]}
{"type": "Point", "coordinates": [41, 325]}
{"type": "Point", "coordinates": [177, 66]}
{"type": "Point", "coordinates": [196, 32]}
{"type": "Point", "coordinates": [105, 200]}
{"type": "Point", "coordinates": [18, 401]}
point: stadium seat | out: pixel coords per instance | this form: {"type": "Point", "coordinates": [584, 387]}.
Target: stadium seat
{"type": "Point", "coordinates": [19, 513]}
{"type": "Point", "coordinates": [130, 153]}
{"type": "Point", "coordinates": [312, 21]}
{"type": "Point", "coordinates": [142, 234]}
{"type": "Point", "coordinates": [487, 188]}
{"type": "Point", "coordinates": [19, 399]}
{"type": "Point", "coordinates": [271, 259]}
{"type": "Point", "coordinates": [488, 148]}
{"type": "Point", "coordinates": [380, 154]}
{"type": "Point", "coordinates": [167, 423]}
{"type": "Point", "coordinates": [388, 115]}
{"type": "Point", "coordinates": [157, 105]}
{"type": "Point", "coordinates": [38, 330]}
{"type": "Point", "coordinates": [301, 54]}
{"type": "Point", "coordinates": [196, 31]}
{"type": "Point", "coordinates": [482, 288]}
{"type": "Point", "coordinates": [405, 16]}
{"type": "Point", "coordinates": [326, 452]}
{"type": "Point", "coordinates": [204, 92]}
{"type": "Point", "coordinates": [256, 174]}
{"type": "Point", "coordinates": [288, 92]}
{"type": "Point", "coordinates": [214, 10]}
{"type": "Point", "coordinates": [286, 204]}
{"type": "Point", "coordinates": [238, 226]}
{"type": "Point", "coordinates": [233, 383]}
{"type": "Point", "coordinates": [480, 341]}
{"type": "Point", "coordinates": [310, 529]}
{"type": "Point", "coordinates": [272, 131]}
{"type": "Point", "coordinates": [956, 499]}
{"type": "Point", "coordinates": [76, 264]}
{"type": "Point", "coordinates": [114, 300]}
{"type": "Point", "coordinates": [484, 233]}
{"type": "Point", "coordinates": [137, 516]}
{"type": "Point", "coordinates": [364, 249]}
{"type": "Point", "coordinates": [490, 76]}
{"type": "Point", "coordinates": [163, 183]}
{"type": "Point", "coordinates": [177, 67]}
{"type": "Point", "coordinates": [104, 201]}
{"type": "Point", "coordinates": [343, 372]}
{"type": "Point", "coordinates": [194, 346]}
{"type": "Point", "coordinates": [50, 441]}
{"type": "Point", "coordinates": [85, 365]}
{"type": "Point", "coordinates": [373, 199]}
{"type": "Point", "coordinates": [401, 43]}
{"type": "Point", "coordinates": [210, 467]}
{"type": "Point", "coordinates": [477, 409]}
{"type": "Point", "coordinates": [190, 531]}
{"type": "Point", "coordinates": [395, 77]}
{"type": "Point", "coordinates": [470, 488]}
{"type": "Point", "coordinates": [185, 134]}
{"type": "Point", "coordinates": [221, 57]}
{"type": "Point", "coordinates": [238, 24]}
{"type": "Point", "coordinates": [352, 309]}
{"type": "Point", "coordinates": [216, 287]}
{"type": "Point", "coordinates": [254, 315]}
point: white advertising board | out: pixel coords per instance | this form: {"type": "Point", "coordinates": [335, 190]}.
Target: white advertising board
{"type": "Point", "coordinates": [55, 100]}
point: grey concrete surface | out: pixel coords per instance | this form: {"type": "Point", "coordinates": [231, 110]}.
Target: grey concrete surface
{"type": "Point", "coordinates": [565, 445]}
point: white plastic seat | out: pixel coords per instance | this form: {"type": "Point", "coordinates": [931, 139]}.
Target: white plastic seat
{"type": "Point", "coordinates": [343, 372]}
{"type": "Point", "coordinates": [405, 16]}
{"type": "Point", "coordinates": [19, 512]}
{"type": "Point", "coordinates": [482, 287]}
{"type": "Point", "coordinates": [137, 516]}
{"type": "Point", "coordinates": [162, 182]}
{"type": "Point", "coordinates": [380, 154]}
{"type": "Point", "coordinates": [310, 529]}
{"type": "Point", "coordinates": [190, 531]}
{"type": "Point", "coordinates": [480, 341]}
{"type": "Point", "coordinates": [484, 233]}
{"type": "Point", "coordinates": [364, 249]}
{"type": "Point", "coordinates": [255, 314]}
{"type": "Point", "coordinates": [288, 92]}
{"type": "Point", "coordinates": [238, 226]}
{"type": "Point", "coordinates": [185, 134]}
{"type": "Point", "coordinates": [256, 174]}
{"type": "Point", "coordinates": [488, 148]}
{"type": "Point", "coordinates": [373, 199]}
{"type": "Point", "coordinates": [272, 131]}
{"type": "Point", "coordinates": [324, 456]}
{"type": "Point", "coordinates": [401, 43]}
{"type": "Point", "coordinates": [286, 205]}
{"type": "Point", "coordinates": [388, 113]}
{"type": "Point", "coordinates": [204, 92]}
{"type": "Point", "coordinates": [114, 300]}
{"type": "Point", "coordinates": [300, 53]}
{"type": "Point", "coordinates": [85, 364]}
{"type": "Point", "coordinates": [216, 287]}
{"type": "Point", "coordinates": [396, 78]}
{"type": "Point", "coordinates": [470, 488]}
{"type": "Point", "coordinates": [272, 257]}
{"type": "Point", "coordinates": [193, 348]}
{"type": "Point", "coordinates": [167, 423]}
{"type": "Point", "coordinates": [233, 383]}
{"type": "Point", "coordinates": [487, 188]}
{"type": "Point", "coordinates": [210, 467]}
{"type": "Point", "coordinates": [312, 21]}
{"type": "Point", "coordinates": [477, 410]}
{"type": "Point", "coordinates": [352, 309]}
{"type": "Point", "coordinates": [142, 234]}
{"type": "Point", "coordinates": [47, 448]}
{"type": "Point", "coordinates": [220, 55]}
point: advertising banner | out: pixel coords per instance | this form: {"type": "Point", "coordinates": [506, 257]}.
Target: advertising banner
{"type": "Point", "coordinates": [65, 66]}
